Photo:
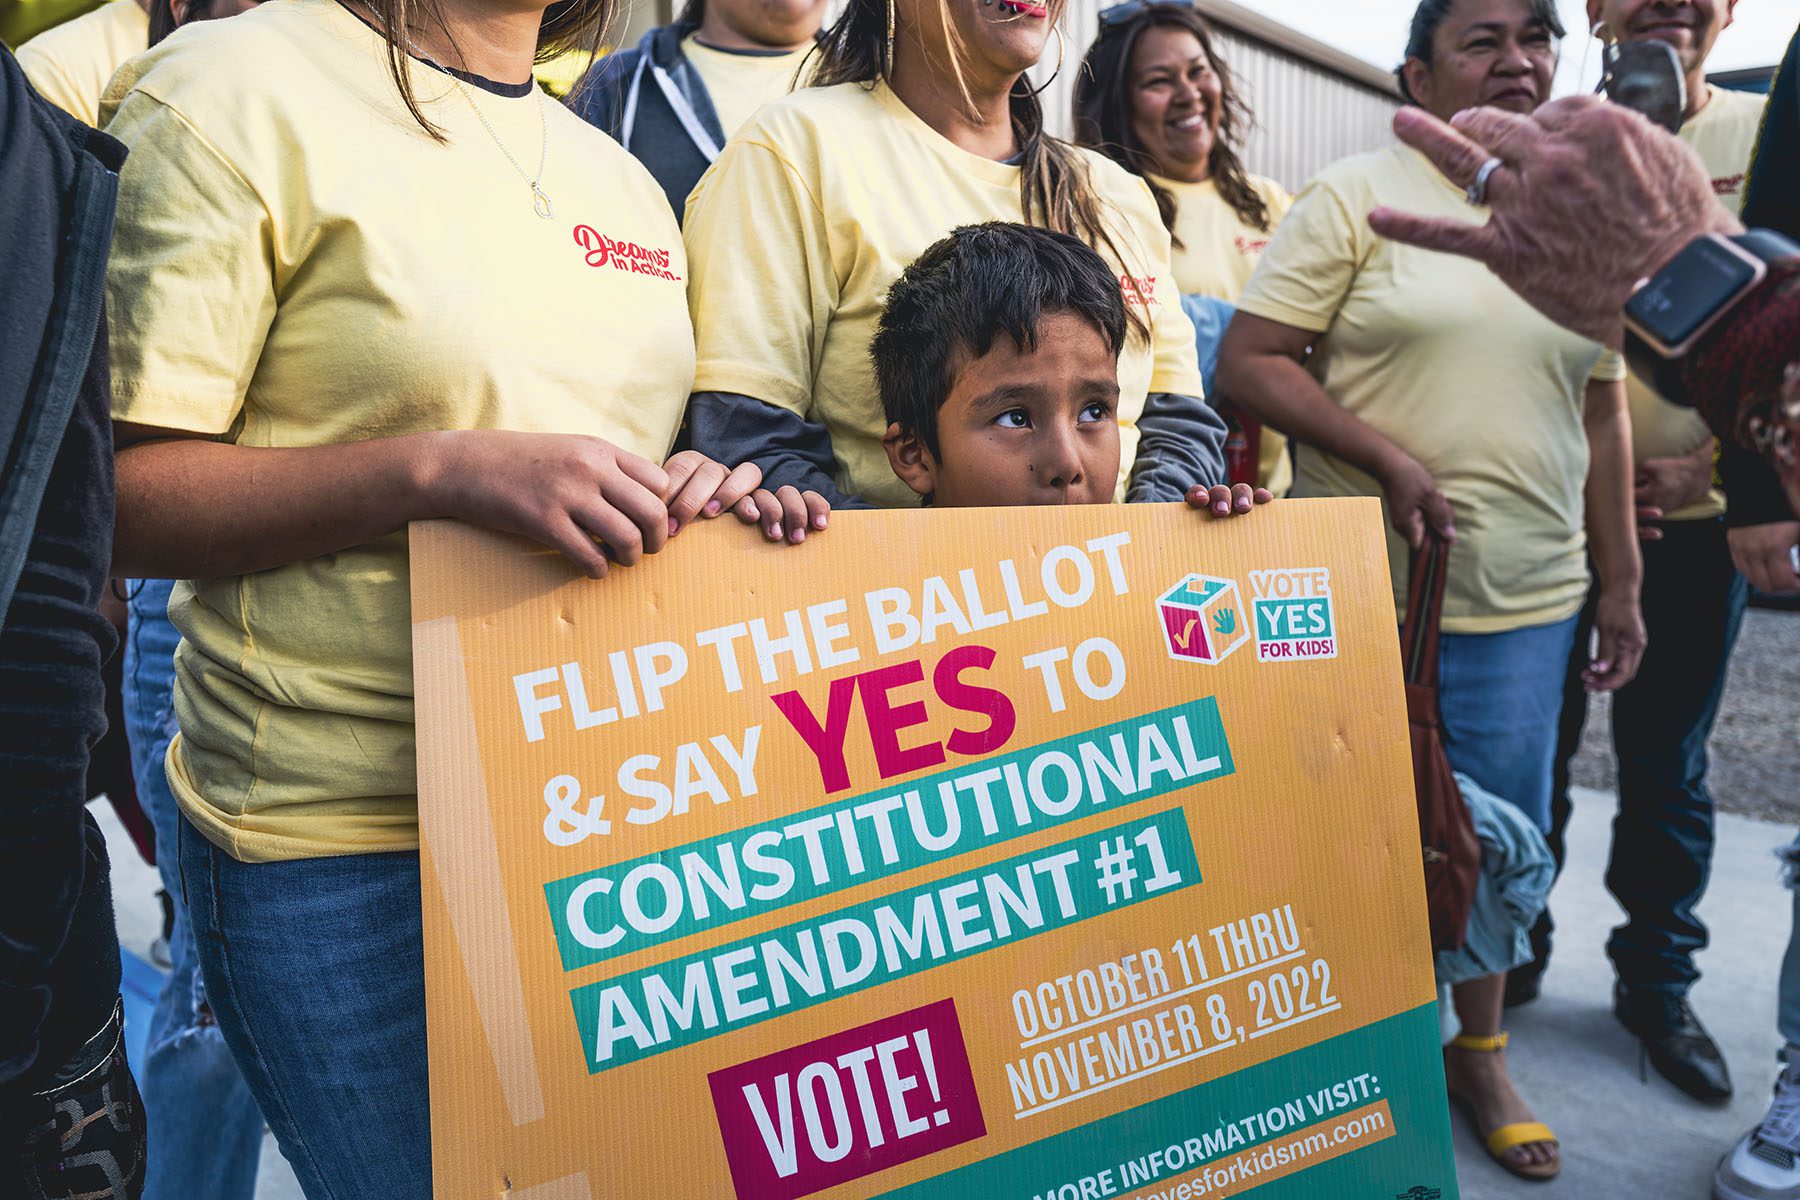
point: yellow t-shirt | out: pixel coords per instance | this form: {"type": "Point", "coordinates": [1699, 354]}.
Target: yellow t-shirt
{"type": "Point", "coordinates": [70, 64]}
{"type": "Point", "coordinates": [296, 263]}
{"type": "Point", "coordinates": [1441, 357]}
{"type": "Point", "coordinates": [1218, 250]}
{"type": "Point", "coordinates": [811, 213]}
{"type": "Point", "coordinates": [22, 20]}
{"type": "Point", "coordinates": [561, 73]}
{"type": "Point", "coordinates": [1215, 252]}
{"type": "Point", "coordinates": [1723, 134]}
{"type": "Point", "coordinates": [741, 81]}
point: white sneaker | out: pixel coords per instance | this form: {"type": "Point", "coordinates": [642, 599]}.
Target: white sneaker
{"type": "Point", "coordinates": [1765, 1164]}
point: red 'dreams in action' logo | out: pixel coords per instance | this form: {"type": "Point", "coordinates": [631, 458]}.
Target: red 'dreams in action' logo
{"type": "Point", "coordinates": [603, 251]}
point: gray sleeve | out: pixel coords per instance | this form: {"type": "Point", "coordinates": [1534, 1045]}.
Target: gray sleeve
{"type": "Point", "coordinates": [1181, 442]}
{"type": "Point", "coordinates": [735, 429]}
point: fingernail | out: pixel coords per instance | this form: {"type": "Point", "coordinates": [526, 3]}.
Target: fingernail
{"type": "Point", "coordinates": [713, 508]}
{"type": "Point", "coordinates": [819, 522]}
{"type": "Point", "coordinates": [775, 532]}
{"type": "Point", "coordinates": [798, 535]}
{"type": "Point", "coordinates": [674, 527]}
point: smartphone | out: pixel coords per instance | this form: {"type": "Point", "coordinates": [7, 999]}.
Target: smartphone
{"type": "Point", "coordinates": [1645, 76]}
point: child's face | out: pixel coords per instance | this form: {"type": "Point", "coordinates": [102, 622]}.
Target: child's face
{"type": "Point", "coordinates": [1023, 427]}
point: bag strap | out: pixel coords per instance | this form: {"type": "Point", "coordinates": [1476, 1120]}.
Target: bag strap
{"type": "Point", "coordinates": [1424, 610]}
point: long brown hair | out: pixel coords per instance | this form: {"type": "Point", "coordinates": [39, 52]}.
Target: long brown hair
{"type": "Point", "coordinates": [1103, 112]}
{"type": "Point", "coordinates": [568, 25]}
{"type": "Point", "coordinates": [1055, 189]}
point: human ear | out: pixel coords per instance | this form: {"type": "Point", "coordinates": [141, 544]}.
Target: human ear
{"type": "Point", "coordinates": [910, 460]}
{"type": "Point", "coordinates": [1596, 15]}
{"type": "Point", "coordinates": [1418, 81]}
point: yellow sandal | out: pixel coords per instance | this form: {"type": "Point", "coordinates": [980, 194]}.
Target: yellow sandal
{"type": "Point", "coordinates": [1507, 1137]}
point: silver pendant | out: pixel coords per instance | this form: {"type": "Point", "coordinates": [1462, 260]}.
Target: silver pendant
{"type": "Point", "coordinates": [540, 203]}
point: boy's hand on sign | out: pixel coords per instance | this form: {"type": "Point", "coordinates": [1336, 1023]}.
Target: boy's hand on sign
{"type": "Point", "coordinates": [573, 493]}
{"type": "Point", "coordinates": [786, 514]}
{"type": "Point", "coordinates": [1222, 501]}
{"type": "Point", "coordinates": [701, 487]}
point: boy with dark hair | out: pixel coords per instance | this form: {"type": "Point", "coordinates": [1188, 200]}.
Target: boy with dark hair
{"type": "Point", "coordinates": [997, 360]}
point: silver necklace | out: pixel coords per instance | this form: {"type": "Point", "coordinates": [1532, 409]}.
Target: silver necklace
{"type": "Point", "coordinates": [540, 201]}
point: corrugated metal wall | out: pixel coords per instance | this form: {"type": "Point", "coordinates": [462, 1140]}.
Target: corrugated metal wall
{"type": "Point", "coordinates": [1306, 115]}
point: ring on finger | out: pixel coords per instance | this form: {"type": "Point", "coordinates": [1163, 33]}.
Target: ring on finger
{"type": "Point", "coordinates": [1476, 192]}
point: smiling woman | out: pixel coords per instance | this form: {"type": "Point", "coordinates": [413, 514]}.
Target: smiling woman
{"type": "Point", "coordinates": [1155, 96]}
{"type": "Point", "coordinates": [1481, 59]}
{"type": "Point", "coordinates": [300, 369]}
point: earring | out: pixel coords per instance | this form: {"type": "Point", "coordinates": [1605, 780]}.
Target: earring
{"type": "Point", "coordinates": [1061, 49]}
{"type": "Point", "coordinates": [888, 71]}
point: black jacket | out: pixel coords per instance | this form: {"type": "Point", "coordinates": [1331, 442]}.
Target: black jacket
{"type": "Point", "coordinates": [59, 954]}
{"type": "Point", "coordinates": [1771, 201]}
{"type": "Point", "coordinates": [652, 102]}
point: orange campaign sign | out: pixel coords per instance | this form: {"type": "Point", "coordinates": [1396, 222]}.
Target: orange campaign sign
{"type": "Point", "coordinates": [1051, 854]}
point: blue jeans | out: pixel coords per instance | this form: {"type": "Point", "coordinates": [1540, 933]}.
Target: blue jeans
{"type": "Point", "coordinates": [1693, 601]}
{"type": "Point", "coordinates": [1663, 835]}
{"type": "Point", "coordinates": [316, 969]}
{"type": "Point", "coordinates": [1501, 697]}
{"type": "Point", "coordinates": [205, 1129]}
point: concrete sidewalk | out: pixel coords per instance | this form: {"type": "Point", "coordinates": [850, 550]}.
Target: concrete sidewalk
{"type": "Point", "coordinates": [1624, 1137]}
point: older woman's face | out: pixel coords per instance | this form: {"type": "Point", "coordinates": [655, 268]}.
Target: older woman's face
{"type": "Point", "coordinates": [1492, 52]}
{"type": "Point", "coordinates": [1000, 40]}
{"type": "Point", "coordinates": [1175, 102]}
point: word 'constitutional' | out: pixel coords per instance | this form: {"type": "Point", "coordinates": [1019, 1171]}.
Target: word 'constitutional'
{"type": "Point", "coordinates": [672, 893]}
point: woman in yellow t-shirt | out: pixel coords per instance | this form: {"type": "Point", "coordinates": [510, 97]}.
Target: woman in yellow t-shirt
{"type": "Point", "coordinates": [71, 64]}
{"type": "Point", "coordinates": [920, 120]}
{"type": "Point", "coordinates": [1155, 97]}
{"type": "Point", "coordinates": [340, 302]}
{"type": "Point", "coordinates": [1432, 385]}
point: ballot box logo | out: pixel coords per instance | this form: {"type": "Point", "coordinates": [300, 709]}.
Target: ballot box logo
{"type": "Point", "coordinates": [1291, 608]}
{"type": "Point", "coordinates": [1202, 619]}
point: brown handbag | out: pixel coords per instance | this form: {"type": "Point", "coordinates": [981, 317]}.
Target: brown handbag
{"type": "Point", "coordinates": [1452, 852]}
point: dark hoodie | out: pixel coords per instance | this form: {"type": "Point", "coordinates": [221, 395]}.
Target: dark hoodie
{"type": "Point", "coordinates": [59, 954]}
{"type": "Point", "coordinates": [651, 101]}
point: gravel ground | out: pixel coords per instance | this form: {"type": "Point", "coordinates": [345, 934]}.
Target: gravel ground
{"type": "Point", "coordinates": [1756, 742]}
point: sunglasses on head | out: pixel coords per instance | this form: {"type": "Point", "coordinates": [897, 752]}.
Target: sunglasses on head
{"type": "Point", "coordinates": [1118, 14]}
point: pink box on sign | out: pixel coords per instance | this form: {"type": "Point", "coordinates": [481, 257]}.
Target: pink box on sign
{"type": "Point", "coordinates": [848, 1104]}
